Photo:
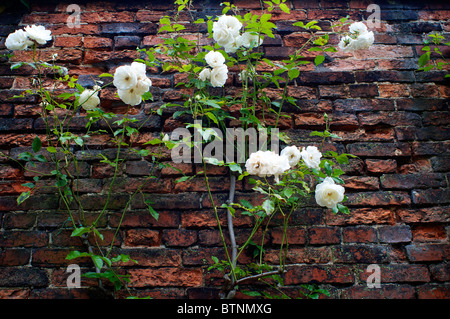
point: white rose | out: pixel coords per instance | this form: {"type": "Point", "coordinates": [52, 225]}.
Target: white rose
{"type": "Point", "coordinates": [226, 30]}
{"type": "Point", "coordinates": [292, 153]}
{"type": "Point", "coordinates": [219, 76]}
{"type": "Point", "coordinates": [233, 45]}
{"type": "Point", "coordinates": [364, 41]}
{"type": "Point", "coordinates": [142, 85]}
{"type": "Point", "coordinates": [328, 193]}
{"type": "Point", "coordinates": [311, 156]}
{"type": "Point", "coordinates": [205, 74]}
{"type": "Point", "coordinates": [280, 164]}
{"type": "Point", "coordinates": [266, 163]}
{"type": "Point", "coordinates": [125, 77]}
{"type": "Point", "coordinates": [18, 40]}
{"type": "Point", "coordinates": [214, 59]}
{"type": "Point", "coordinates": [358, 28]}
{"type": "Point", "coordinates": [248, 40]}
{"type": "Point", "coordinates": [347, 44]}
{"type": "Point", "coordinates": [139, 68]}
{"type": "Point", "coordinates": [89, 99]}
{"type": "Point", "coordinates": [130, 96]}
{"type": "Point", "coordinates": [38, 33]}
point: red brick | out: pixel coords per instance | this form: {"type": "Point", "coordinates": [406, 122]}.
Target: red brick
{"type": "Point", "coordinates": [142, 237]}
{"type": "Point", "coordinates": [179, 237]}
{"type": "Point", "coordinates": [23, 239]}
{"type": "Point", "coordinates": [401, 273]}
{"type": "Point", "coordinates": [424, 215]}
{"type": "Point", "coordinates": [295, 236]}
{"type": "Point", "coordinates": [71, 42]}
{"type": "Point", "coordinates": [429, 233]}
{"type": "Point", "coordinates": [324, 235]}
{"type": "Point", "coordinates": [392, 291]}
{"type": "Point", "coordinates": [164, 277]}
{"type": "Point", "coordinates": [98, 43]}
{"type": "Point", "coordinates": [362, 216]}
{"type": "Point", "coordinates": [14, 257]}
{"type": "Point", "coordinates": [318, 274]}
{"type": "Point", "coordinates": [426, 252]}
{"type": "Point", "coordinates": [381, 166]}
{"type": "Point", "coordinates": [359, 234]}
{"type": "Point", "coordinates": [303, 255]}
{"type": "Point", "coordinates": [433, 291]}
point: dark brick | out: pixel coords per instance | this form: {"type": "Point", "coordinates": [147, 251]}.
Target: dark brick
{"type": "Point", "coordinates": [363, 90]}
{"type": "Point", "coordinates": [325, 77]}
{"type": "Point", "coordinates": [318, 274]}
{"type": "Point", "coordinates": [409, 181]}
{"type": "Point", "coordinates": [359, 105]}
{"type": "Point", "coordinates": [384, 76]}
{"type": "Point", "coordinates": [361, 253]}
{"type": "Point", "coordinates": [426, 252]}
{"type": "Point", "coordinates": [379, 149]}
{"type": "Point", "coordinates": [23, 277]}
{"type": "Point", "coordinates": [431, 196]}
{"type": "Point", "coordinates": [395, 234]}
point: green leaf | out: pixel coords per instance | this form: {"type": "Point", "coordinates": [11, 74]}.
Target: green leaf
{"type": "Point", "coordinates": [37, 144]}
{"type": "Point", "coordinates": [76, 254]}
{"type": "Point", "coordinates": [51, 149]}
{"type": "Point", "coordinates": [29, 185]}
{"type": "Point", "coordinates": [268, 206]}
{"type": "Point", "coordinates": [106, 75]}
{"type": "Point", "coordinates": [319, 59]}
{"type": "Point", "coordinates": [424, 58]}
{"type": "Point", "coordinates": [23, 197]}
{"type": "Point", "coordinates": [284, 7]}
{"type": "Point", "coordinates": [98, 261]}
{"type": "Point", "coordinates": [328, 168]}
{"type": "Point", "coordinates": [80, 231]}
{"type": "Point", "coordinates": [152, 212]}
{"type": "Point", "coordinates": [293, 73]}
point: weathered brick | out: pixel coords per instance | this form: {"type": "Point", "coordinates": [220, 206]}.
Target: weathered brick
{"type": "Point", "coordinates": [426, 252]}
{"type": "Point", "coordinates": [189, 277]}
{"type": "Point", "coordinates": [359, 234]}
{"type": "Point", "coordinates": [381, 166]}
{"type": "Point", "coordinates": [400, 181]}
{"type": "Point", "coordinates": [318, 274]}
{"type": "Point", "coordinates": [395, 234]}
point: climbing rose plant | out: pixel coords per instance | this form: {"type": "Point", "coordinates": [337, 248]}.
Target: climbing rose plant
{"type": "Point", "coordinates": [282, 181]}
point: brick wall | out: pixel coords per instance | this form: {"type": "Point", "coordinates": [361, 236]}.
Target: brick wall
{"type": "Point", "coordinates": [396, 120]}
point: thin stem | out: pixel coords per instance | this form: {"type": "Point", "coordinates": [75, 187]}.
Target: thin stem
{"type": "Point", "coordinates": [230, 220]}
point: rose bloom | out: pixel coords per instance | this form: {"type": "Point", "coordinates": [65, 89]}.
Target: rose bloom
{"type": "Point", "coordinates": [125, 77]}
{"type": "Point", "coordinates": [226, 29]}
{"type": "Point", "coordinates": [364, 41]}
{"type": "Point", "coordinates": [38, 33]}
{"type": "Point", "coordinates": [18, 41]}
{"type": "Point", "coordinates": [311, 156]}
{"type": "Point", "coordinates": [329, 194]}
{"type": "Point", "coordinates": [89, 99]}
{"type": "Point", "coordinates": [130, 96]}
{"type": "Point", "coordinates": [248, 39]}
{"type": "Point", "coordinates": [266, 163]}
{"type": "Point", "coordinates": [214, 59]}
{"type": "Point", "coordinates": [357, 27]}
{"type": "Point", "coordinates": [205, 74]}
{"type": "Point", "coordinates": [219, 76]}
{"type": "Point", "coordinates": [292, 153]}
